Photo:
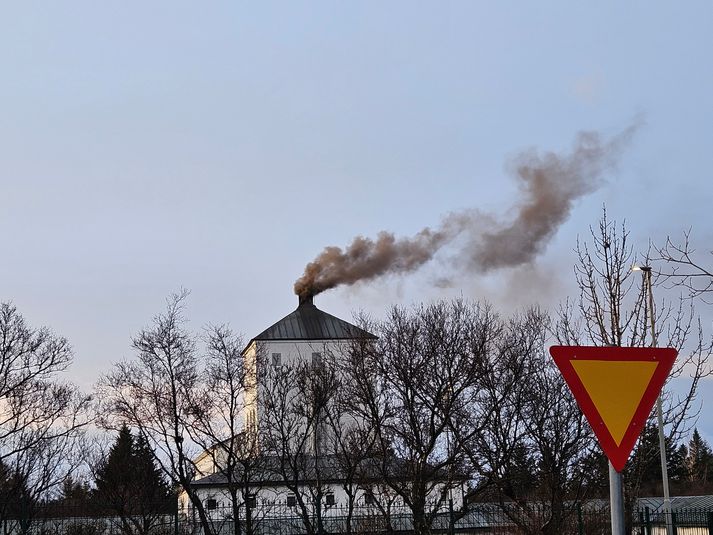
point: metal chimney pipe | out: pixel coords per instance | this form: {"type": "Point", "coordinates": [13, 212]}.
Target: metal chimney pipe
{"type": "Point", "coordinates": [305, 300]}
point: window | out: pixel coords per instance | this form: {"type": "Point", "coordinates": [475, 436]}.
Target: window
{"type": "Point", "coordinates": [211, 504]}
{"type": "Point", "coordinates": [251, 501]}
{"type": "Point", "coordinates": [368, 498]}
{"type": "Point", "coordinates": [329, 498]}
{"type": "Point", "coordinates": [251, 423]}
{"type": "Point", "coordinates": [316, 359]}
{"type": "Point", "coordinates": [291, 500]}
{"type": "Point", "coordinates": [276, 359]}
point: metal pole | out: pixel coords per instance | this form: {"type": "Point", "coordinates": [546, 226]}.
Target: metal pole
{"type": "Point", "coordinates": [664, 469]}
{"type": "Point", "coordinates": [659, 413]}
{"type": "Point", "coordinates": [451, 517]}
{"type": "Point", "coordinates": [616, 497]}
{"type": "Point", "coordinates": [647, 514]}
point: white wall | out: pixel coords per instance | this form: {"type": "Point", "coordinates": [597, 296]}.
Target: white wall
{"type": "Point", "coordinates": [273, 500]}
{"type": "Point", "coordinates": [290, 351]}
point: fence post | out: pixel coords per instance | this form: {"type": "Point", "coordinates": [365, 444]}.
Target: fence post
{"type": "Point", "coordinates": [580, 520]}
{"type": "Point", "coordinates": [647, 516]}
{"type": "Point", "coordinates": [24, 515]}
{"type": "Point", "coordinates": [673, 523]}
{"type": "Point", "coordinates": [451, 517]}
{"type": "Point", "coordinates": [710, 523]}
{"type": "Point", "coordinates": [175, 519]}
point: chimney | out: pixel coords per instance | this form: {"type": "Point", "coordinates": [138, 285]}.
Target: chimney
{"type": "Point", "coordinates": [305, 300]}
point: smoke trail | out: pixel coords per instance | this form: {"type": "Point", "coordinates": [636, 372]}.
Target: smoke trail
{"type": "Point", "coordinates": [549, 185]}
{"type": "Point", "coordinates": [366, 259]}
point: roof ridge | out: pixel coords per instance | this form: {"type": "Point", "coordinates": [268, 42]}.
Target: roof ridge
{"type": "Point", "coordinates": [307, 322]}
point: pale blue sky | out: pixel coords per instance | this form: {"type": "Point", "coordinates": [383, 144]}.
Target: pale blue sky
{"type": "Point", "coordinates": [147, 146]}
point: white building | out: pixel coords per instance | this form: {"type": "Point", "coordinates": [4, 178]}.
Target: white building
{"type": "Point", "coordinates": [308, 334]}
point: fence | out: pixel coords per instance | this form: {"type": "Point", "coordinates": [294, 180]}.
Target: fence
{"type": "Point", "coordinates": [683, 522]}
{"type": "Point", "coordinates": [481, 519]}
{"type": "Point", "coordinates": [86, 519]}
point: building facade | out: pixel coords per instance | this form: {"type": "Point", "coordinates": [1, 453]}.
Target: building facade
{"type": "Point", "coordinates": [309, 337]}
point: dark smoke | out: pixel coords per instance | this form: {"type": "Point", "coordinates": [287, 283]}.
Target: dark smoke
{"type": "Point", "coordinates": [366, 259]}
{"type": "Point", "coordinates": [549, 185]}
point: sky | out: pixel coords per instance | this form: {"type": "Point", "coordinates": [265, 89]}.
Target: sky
{"type": "Point", "coordinates": [151, 146]}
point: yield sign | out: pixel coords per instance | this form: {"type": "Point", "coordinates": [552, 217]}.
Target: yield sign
{"type": "Point", "coordinates": [615, 387]}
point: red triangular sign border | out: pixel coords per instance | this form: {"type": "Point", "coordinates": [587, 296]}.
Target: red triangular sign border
{"type": "Point", "coordinates": [665, 356]}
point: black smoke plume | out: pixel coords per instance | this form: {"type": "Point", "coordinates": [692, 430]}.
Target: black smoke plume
{"type": "Point", "coordinates": [549, 184]}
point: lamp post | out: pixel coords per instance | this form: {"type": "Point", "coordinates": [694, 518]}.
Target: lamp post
{"type": "Point", "coordinates": [646, 272]}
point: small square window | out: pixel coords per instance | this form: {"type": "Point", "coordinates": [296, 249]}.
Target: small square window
{"type": "Point", "coordinates": [291, 500]}
{"type": "Point", "coordinates": [251, 501]}
{"type": "Point", "coordinates": [368, 498]}
{"type": "Point", "coordinates": [330, 499]}
{"type": "Point", "coordinates": [211, 504]}
{"type": "Point", "coordinates": [277, 359]}
{"type": "Point", "coordinates": [316, 359]}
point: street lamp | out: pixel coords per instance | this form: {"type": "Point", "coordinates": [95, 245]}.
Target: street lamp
{"type": "Point", "coordinates": [646, 272]}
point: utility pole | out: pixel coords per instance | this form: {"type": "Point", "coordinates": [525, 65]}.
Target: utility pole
{"type": "Point", "coordinates": [646, 272]}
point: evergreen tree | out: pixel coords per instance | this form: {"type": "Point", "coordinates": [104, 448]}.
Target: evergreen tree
{"type": "Point", "coordinates": [689, 468]}
{"type": "Point", "coordinates": [642, 475]}
{"type": "Point", "coordinates": [520, 474]}
{"type": "Point", "coordinates": [154, 488]}
{"type": "Point", "coordinates": [676, 462]}
{"type": "Point", "coordinates": [15, 495]}
{"type": "Point", "coordinates": [75, 492]}
{"type": "Point", "coordinates": [114, 479]}
{"type": "Point", "coordinates": [593, 474]}
{"type": "Point", "coordinates": [699, 462]}
{"type": "Point", "coordinates": [129, 483]}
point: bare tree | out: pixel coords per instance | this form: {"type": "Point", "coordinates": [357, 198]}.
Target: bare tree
{"type": "Point", "coordinates": [36, 407]}
{"type": "Point", "coordinates": [42, 418]}
{"type": "Point", "coordinates": [219, 425]}
{"type": "Point", "coordinates": [613, 310]}
{"type": "Point", "coordinates": [352, 444]}
{"type": "Point", "coordinates": [527, 454]}
{"type": "Point", "coordinates": [156, 394]}
{"type": "Point", "coordinates": [294, 399]}
{"type": "Point", "coordinates": [681, 265]}
{"type": "Point", "coordinates": [415, 386]}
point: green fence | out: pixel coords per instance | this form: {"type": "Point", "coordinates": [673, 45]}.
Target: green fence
{"type": "Point", "coordinates": [682, 521]}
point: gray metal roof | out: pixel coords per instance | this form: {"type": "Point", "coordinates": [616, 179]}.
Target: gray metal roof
{"type": "Point", "coordinates": [332, 468]}
{"type": "Point", "coordinates": [266, 469]}
{"type": "Point", "coordinates": [308, 322]}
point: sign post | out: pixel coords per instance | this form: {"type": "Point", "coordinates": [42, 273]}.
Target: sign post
{"type": "Point", "coordinates": [616, 501]}
{"type": "Point", "coordinates": [616, 388]}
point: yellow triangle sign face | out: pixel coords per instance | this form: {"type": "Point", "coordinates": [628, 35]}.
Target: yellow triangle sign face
{"type": "Point", "coordinates": [616, 389]}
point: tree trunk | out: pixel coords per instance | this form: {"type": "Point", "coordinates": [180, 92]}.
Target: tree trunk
{"type": "Point", "coordinates": [236, 511]}
{"type": "Point", "coordinates": [202, 516]}
{"type": "Point", "coordinates": [248, 521]}
{"type": "Point", "coordinates": [420, 526]}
